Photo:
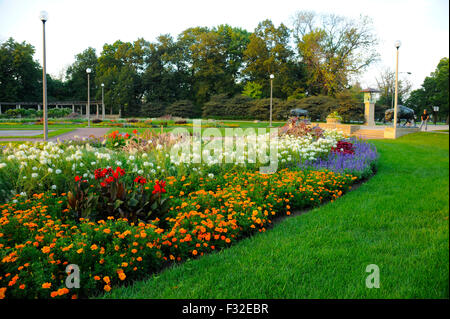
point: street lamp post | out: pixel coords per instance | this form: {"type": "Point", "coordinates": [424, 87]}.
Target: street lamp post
{"type": "Point", "coordinates": [435, 111]}
{"type": "Point", "coordinates": [392, 95]}
{"type": "Point", "coordinates": [271, 89]}
{"type": "Point", "coordinates": [397, 46]}
{"type": "Point", "coordinates": [103, 103]}
{"type": "Point", "coordinates": [88, 111]}
{"type": "Point", "coordinates": [44, 17]}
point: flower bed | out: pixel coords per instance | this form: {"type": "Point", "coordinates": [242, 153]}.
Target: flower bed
{"type": "Point", "coordinates": [39, 236]}
{"type": "Point", "coordinates": [120, 212]}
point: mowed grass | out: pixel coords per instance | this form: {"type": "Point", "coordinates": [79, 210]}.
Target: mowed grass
{"type": "Point", "coordinates": [397, 220]}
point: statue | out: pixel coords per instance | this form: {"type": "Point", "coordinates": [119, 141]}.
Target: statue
{"type": "Point", "coordinates": [404, 113]}
{"type": "Point", "coordinates": [301, 113]}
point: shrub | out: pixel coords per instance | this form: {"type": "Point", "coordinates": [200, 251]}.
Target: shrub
{"type": "Point", "coordinates": [182, 108]}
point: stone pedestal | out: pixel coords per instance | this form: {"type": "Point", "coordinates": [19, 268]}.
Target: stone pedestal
{"type": "Point", "coordinates": [369, 113]}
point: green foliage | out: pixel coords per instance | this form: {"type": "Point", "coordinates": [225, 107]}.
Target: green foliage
{"type": "Point", "coordinates": [333, 48]}
{"type": "Point", "coordinates": [434, 92]}
{"type": "Point", "coordinates": [253, 90]}
{"type": "Point", "coordinates": [183, 108]}
{"type": "Point", "coordinates": [19, 73]}
{"type": "Point", "coordinates": [77, 76]}
{"type": "Point", "coordinates": [154, 109]}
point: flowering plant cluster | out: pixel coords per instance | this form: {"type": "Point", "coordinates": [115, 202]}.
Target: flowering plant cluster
{"type": "Point", "coordinates": [109, 196]}
{"type": "Point", "coordinates": [343, 147]}
{"type": "Point", "coordinates": [39, 239]}
{"type": "Point", "coordinates": [125, 210]}
{"type": "Point", "coordinates": [361, 163]}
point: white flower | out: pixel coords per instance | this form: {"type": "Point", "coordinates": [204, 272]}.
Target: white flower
{"type": "Point", "coordinates": [131, 158]}
{"type": "Point", "coordinates": [2, 165]}
{"type": "Point", "coordinates": [119, 163]}
{"type": "Point", "coordinates": [34, 168]}
{"type": "Point", "coordinates": [50, 170]}
{"type": "Point", "coordinates": [211, 175]}
{"type": "Point", "coordinates": [140, 172]}
{"type": "Point", "coordinates": [23, 194]}
{"type": "Point", "coordinates": [34, 175]}
{"type": "Point", "coordinates": [53, 186]}
{"type": "Point", "coordinates": [58, 171]}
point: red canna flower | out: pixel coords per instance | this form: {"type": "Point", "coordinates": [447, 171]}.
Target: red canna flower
{"type": "Point", "coordinates": [77, 178]}
{"type": "Point", "coordinates": [135, 131]}
{"type": "Point", "coordinates": [159, 187]}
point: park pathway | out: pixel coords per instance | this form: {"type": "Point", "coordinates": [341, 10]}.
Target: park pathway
{"type": "Point", "coordinates": [77, 134]}
{"type": "Point", "coordinates": [81, 133]}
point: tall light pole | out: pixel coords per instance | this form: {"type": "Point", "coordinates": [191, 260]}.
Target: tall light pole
{"type": "Point", "coordinates": [271, 87]}
{"type": "Point", "coordinates": [88, 111]}
{"type": "Point", "coordinates": [44, 17]}
{"type": "Point", "coordinates": [392, 95]}
{"type": "Point", "coordinates": [397, 45]}
{"type": "Point", "coordinates": [103, 103]}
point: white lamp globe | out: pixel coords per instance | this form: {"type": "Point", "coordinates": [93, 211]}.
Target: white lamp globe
{"type": "Point", "coordinates": [272, 76]}
{"type": "Point", "coordinates": [88, 70]}
{"type": "Point", "coordinates": [43, 16]}
{"type": "Point", "coordinates": [103, 84]}
{"type": "Point", "coordinates": [398, 43]}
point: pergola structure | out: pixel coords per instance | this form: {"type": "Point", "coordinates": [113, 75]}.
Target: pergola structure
{"type": "Point", "coordinates": [75, 105]}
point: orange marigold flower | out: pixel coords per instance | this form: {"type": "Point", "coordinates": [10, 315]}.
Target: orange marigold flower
{"type": "Point", "coordinates": [122, 276]}
{"type": "Point", "coordinates": [107, 288]}
{"type": "Point", "coordinates": [106, 279]}
{"type": "Point", "coordinates": [45, 249]}
{"type": "Point", "coordinates": [46, 285]}
{"type": "Point", "coordinates": [2, 292]}
{"type": "Point", "coordinates": [94, 247]}
{"type": "Point", "coordinates": [194, 252]}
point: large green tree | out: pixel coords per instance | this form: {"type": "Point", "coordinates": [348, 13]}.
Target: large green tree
{"type": "Point", "coordinates": [120, 67]}
{"type": "Point", "coordinates": [333, 49]}
{"type": "Point", "coordinates": [77, 77]}
{"type": "Point", "coordinates": [433, 92]}
{"type": "Point", "coordinates": [20, 74]}
{"type": "Point", "coordinates": [268, 52]}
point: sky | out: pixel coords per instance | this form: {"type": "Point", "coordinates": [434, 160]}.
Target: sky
{"type": "Point", "coordinates": [73, 25]}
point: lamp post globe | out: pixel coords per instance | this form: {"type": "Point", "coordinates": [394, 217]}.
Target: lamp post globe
{"type": "Point", "coordinates": [43, 15]}
{"type": "Point", "coordinates": [397, 44]}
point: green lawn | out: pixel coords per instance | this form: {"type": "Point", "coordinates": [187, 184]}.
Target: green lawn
{"type": "Point", "coordinates": [397, 220]}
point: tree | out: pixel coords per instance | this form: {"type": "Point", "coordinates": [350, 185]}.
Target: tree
{"type": "Point", "coordinates": [77, 76]}
{"type": "Point", "coordinates": [20, 75]}
{"type": "Point", "coordinates": [333, 49]}
{"type": "Point", "coordinates": [120, 68]}
{"type": "Point", "coordinates": [433, 92]}
{"type": "Point", "coordinates": [253, 90]}
{"type": "Point", "coordinates": [386, 86]}
{"type": "Point", "coordinates": [268, 52]}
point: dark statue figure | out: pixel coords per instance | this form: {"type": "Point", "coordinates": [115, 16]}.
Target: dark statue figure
{"type": "Point", "coordinates": [404, 113]}
{"type": "Point", "coordinates": [299, 113]}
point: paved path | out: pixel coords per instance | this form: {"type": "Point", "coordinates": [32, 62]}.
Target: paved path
{"type": "Point", "coordinates": [76, 134]}
{"type": "Point", "coordinates": [81, 133]}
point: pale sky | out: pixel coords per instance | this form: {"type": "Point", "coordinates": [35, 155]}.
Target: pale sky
{"type": "Point", "coordinates": [73, 25]}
